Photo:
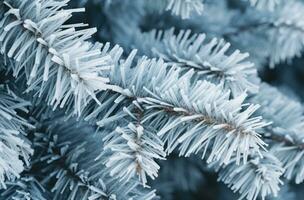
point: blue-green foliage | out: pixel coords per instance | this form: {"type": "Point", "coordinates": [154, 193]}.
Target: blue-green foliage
{"type": "Point", "coordinates": [161, 101]}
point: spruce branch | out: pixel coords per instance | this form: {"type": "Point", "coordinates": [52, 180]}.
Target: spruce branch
{"type": "Point", "coordinates": [182, 8]}
{"type": "Point", "coordinates": [69, 156]}
{"type": "Point", "coordinates": [259, 177]}
{"type": "Point", "coordinates": [133, 150]}
{"type": "Point", "coordinates": [209, 59]}
{"type": "Point", "coordinates": [286, 130]}
{"type": "Point", "coordinates": [15, 149]}
{"type": "Point", "coordinates": [192, 101]}
{"type": "Point", "coordinates": [54, 57]}
{"type": "Point", "coordinates": [26, 187]}
{"type": "Point", "coordinates": [265, 4]}
{"type": "Point", "coordinates": [176, 106]}
{"type": "Point", "coordinates": [279, 32]}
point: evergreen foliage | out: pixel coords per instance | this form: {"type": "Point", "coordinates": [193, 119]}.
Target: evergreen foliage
{"type": "Point", "coordinates": [160, 101]}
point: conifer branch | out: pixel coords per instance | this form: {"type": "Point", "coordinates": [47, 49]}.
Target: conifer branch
{"type": "Point", "coordinates": [73, 173]}
{"type": "Point", "coordinates": [181, 8]}
{"type": "Point", "coordinates": [192, 99]}
{"type": "Point", "coordinates": [25, 187]}
{"type": "Point", "coordinates": [55, 58]}
{"type": "Point", "coordinates": [265, 4]}
{"type": "Point", "coordinates": [259, 177]}
{"type": "Point", "coordinates": [15, 149]}
{"type": "Point", "coordinates": [184, 8]}
{"type": "Point", "coordinates": [280, 32]}
{"type": "Point", "coordinates": [286, 130]}
{"type": "Point", "coordinates": [133, 150]}
{"type": "Point", "coordinates": [164, 93]}
{"type": "Point", "coordinates": [209, 59]}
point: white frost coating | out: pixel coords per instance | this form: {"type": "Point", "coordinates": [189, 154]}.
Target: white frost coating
{"type": "Point", "coordinates": [208, 58]}
{"type": "Point", "coordinates": [184, 8]}
{"type": "Point", "coordinates": [185, 116]}
{"type": "Point", "coordinates": [58, 57]}
{"type": "Point", "coordinates": [260, 177]}
{"type": "Point", "coordinates": [286, 115]}
{"type": "Point", "coordinates": [134, 151]}
{"type": "Point", "coordinates": [15, 150]}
